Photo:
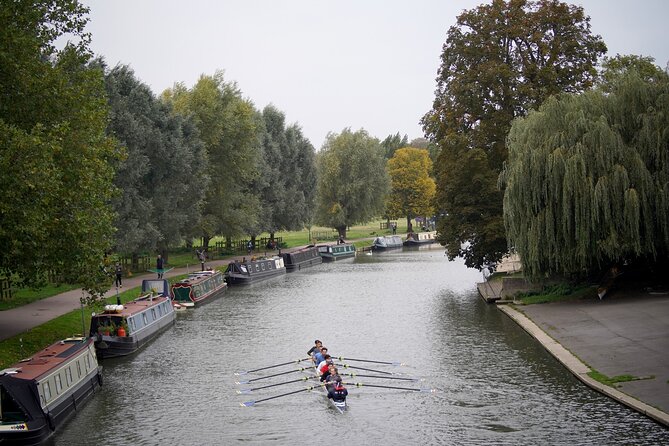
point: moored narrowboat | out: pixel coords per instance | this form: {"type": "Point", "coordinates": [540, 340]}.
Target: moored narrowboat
{"type": "Point", "coordinates": [331, 253]}
{"type": "Point", "coordinates": [387, 242]}
{"type": "Point", "coordinates": [420, 238]}
{"type": "Point", "coordinates": [251, 271]}
{"type": "Point", "coordinates": [38, 394]}
{"type": "Point", "coordinates": [123, 329]}
{"type": "Point", "coordinates": [301, 258]}
{"type": "Point", "coordinates": [198, 288]}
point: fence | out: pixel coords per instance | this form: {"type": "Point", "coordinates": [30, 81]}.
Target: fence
{"type": "Point", "coordinates": [261, 244]}
{"type": "Point", "coordinates": [386, 225]}
{"type": "Point", "coordinates": [5, 289]}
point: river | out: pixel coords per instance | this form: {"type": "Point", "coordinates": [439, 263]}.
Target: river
{"type": "Point", "coordinates": [494, 384]}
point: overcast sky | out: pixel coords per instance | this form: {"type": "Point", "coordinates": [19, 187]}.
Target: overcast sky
{"type": "Point", "coordinates": [327, 65]}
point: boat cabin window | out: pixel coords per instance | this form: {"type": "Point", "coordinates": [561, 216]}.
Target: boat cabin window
{"type": "Point", "coordinates": [145, 319]}
{"type": "Point", "coordinates": [59, 384]}
{"type": "Point", "coordinates": [153, 313]}
{"type": "Point", "coordinates": [46, 389]}
{"type": "Point", "coordinates": [88, 363]}
{"type": "Point", "coordinates": [160, 310]}
{"type": "Point", "coordinates": [78, 369]}
{"type": "Point", "coordinates": [10, 411]}
{"type": "Point", "coordinates": [68, 376]}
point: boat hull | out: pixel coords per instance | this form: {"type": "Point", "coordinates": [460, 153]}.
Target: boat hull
{"type": "Point", "coordinates": [387, 242]}
{"type": "Point", "coordinates": [303, 258]}
{"type": "Point", "coordinates": [45, 414]}
{"type": "Point", "coordinates": [332, 253]}
{"type": "Point", "coordinates": [199, 288]}
{"type": "Point", "coordinates": [250, 272]}
{"type": "Point", "coordinates": [122, 346]}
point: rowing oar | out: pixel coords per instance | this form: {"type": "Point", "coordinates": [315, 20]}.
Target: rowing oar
{"type": "Point", "coordinates": [276, 374]}
{"type": "Point", "coordinates": [251, 403]}
{"type": "Point", "coordinates": [297, 361]}
{"type": "Point", "coordinates": [381, 377]}
{"type": "Point", "coordinates": [390, 387]}
{"type": "Point", "coordinates": [279, 384]}
{"type": "Point", "coordinates": [341, 358]}
{"type": "Point", "coordinates": [346, 366]}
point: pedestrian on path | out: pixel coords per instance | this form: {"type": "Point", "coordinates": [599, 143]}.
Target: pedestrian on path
{"type": "Point", "coordinates": [118, 270]}
{"type": "Point", "coordinates": [159, 266]}
{"type": "Point", "coordinates": [202, 256]}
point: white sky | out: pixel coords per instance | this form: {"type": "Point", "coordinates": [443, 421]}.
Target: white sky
{"type": "Point", "coordinates": [331, 64]}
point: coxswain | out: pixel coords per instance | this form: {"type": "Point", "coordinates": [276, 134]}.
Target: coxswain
{"type": "Point", "coordinates": [315, 348]}
{"type": "Point", "coordinates": [338, 393]}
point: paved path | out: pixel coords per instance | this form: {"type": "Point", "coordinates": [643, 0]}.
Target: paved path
{"type": "Point", "coordinates": [626, 334]}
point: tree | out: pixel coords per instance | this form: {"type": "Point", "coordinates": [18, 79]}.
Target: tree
{"type": "Point", "coordinates": [392, 143]}
{"type": "Point", "coordinates": [352, 180]}
{"type": "Point", "coordinates": [161, 179]}
{"type": "Point", "coordinates": [227, 126]}
{"type": "Point", "coordinates": [58, 164]}
{"type": "Point", "coordinates": [412, 189]}
{"type": "Point", "coordinates": [499, 60]}
{"type": "Point", "coordinates": [586, 180]}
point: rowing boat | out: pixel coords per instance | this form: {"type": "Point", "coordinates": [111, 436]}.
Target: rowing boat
{"type": "Point", "coordinates": [338, 405]}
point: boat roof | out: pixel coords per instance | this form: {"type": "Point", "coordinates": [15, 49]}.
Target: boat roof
{"type": "Point", "coordinates": [197, 277]}
{"type": "Point", "coordinates": [132, 307]}
{"type": "Point", "coordinates": [48, 359]}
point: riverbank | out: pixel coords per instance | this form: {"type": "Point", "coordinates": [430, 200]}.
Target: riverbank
{"type": "Point", "coordinates": [624, 334]}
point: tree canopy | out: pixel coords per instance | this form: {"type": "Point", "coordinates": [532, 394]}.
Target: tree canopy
{"type": "Point", "coordinates": [499, 60]}
{"type": "Point", "coordinates": [587, 180]}
{"type": "Point", "coordinates": [227, 126]}
{"type": "Point", "coordinates": [56, 159]}
{"type": "Point", "coordinates": [352, 180]}
{"type": "Point", "coordinates": [412, 189]}
{"type": "Point", "coordinates": [161, 179]}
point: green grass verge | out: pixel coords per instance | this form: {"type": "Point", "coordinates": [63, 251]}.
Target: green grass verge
{"type": "Point", "coordinates": [611, 381]}
{"type": "Point", "coordinates": [556, 293]}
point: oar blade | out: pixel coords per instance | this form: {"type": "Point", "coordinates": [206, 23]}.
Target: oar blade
{"type": "Point", "coordinates": [241, 373]}
{"type": "Point", "coordinates": [244, 391]}
{"type": "Point", "coordinates": [241, 382]}
{"type": "Point", "coordinates": [247, 403]}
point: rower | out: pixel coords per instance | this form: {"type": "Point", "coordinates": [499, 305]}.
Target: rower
{"type": "Point", "coordinates": [332, 379]}
{"type": "Point", "coordinates": [331, 369]}
{"type": "Point", "coordinates": [319, 356]}
{"type": "Point", "coordinates": [315, 348]}
{"type": "Point", "coordinates": [323, 365]}
{"type": "Point", "coordinates": [338, 393]}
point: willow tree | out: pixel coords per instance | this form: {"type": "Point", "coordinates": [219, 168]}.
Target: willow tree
{"type": "Point", "coordinates": [352, 180]}
{"type": "Point", "coordinates": [587, 180]}
{"type": "Point", "coordinates": [499, 60]}
{"type": "Point", "coordinates": [412, 188]}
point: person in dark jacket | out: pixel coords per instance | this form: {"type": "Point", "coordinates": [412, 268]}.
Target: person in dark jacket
{"type": "Point", "coordinates": [159, 266]}
{"type": "Point", "coordinates": [338, 393]}
{"type": "Point", "coordinates": [316, 348]}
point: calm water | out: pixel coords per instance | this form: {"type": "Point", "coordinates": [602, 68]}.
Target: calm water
{"type": "Point", "coordinates": [495, 384]}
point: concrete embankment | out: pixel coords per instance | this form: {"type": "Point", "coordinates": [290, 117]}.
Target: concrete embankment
{"type": "Point", "coordinates": [623, 335]}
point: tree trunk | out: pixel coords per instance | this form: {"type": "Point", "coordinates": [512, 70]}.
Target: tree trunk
{"type": "Point", "coordinates": [409, 225]}
{"type": "Point", "coordinates": [341, 230]}
{"type": "Point", "coordinates": [205, 242]}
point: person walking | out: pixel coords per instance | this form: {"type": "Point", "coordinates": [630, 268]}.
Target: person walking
{"type": "Point", "coordinates": [159, 266]}
{"type": "Point", "coordinates": [118, 271]}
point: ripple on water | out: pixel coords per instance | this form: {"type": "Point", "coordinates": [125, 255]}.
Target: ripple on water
{"type": "Point", "coordinates": [495, 384]}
